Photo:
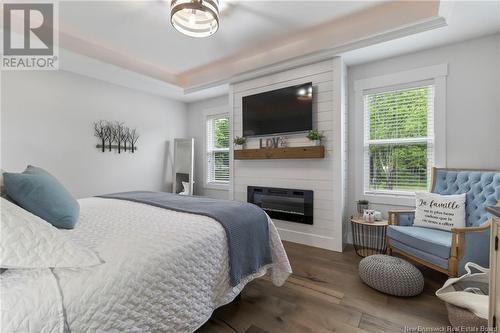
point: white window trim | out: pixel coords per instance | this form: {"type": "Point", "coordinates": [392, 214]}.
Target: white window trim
{"type": "Point", "coordinates": [210, 114]}
{"type": "Point", "coordinates": [367, 142]}
{"type": "Point", "coordinates": [437, 74]}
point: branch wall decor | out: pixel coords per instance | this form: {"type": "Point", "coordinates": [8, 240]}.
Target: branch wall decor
{"type": "Point", "coordinates": [115, 135]}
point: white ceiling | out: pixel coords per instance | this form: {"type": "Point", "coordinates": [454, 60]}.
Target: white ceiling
{"type": "Point", "coordinates": [467, 20]}
{"type": "Point", "coordinates": [136, 38]}
{"type": "Point", "coordinates": [142, 28]}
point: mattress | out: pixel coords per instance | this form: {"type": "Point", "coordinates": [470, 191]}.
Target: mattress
{"type": "Point", "coordinates": [164, 271]}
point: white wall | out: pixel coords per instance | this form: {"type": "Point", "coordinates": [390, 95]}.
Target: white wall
{"type": "Point", "coordinates": [472, 104]}
{"type": "Point", "coordinates": [324, 176]}
{"type": "Point", "coordinates": [47, 117]}
{"type": "Point", "coordinates": [196, 130]}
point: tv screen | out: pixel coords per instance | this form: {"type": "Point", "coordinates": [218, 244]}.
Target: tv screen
{"type": "Point", "coordinates": [279, 111]}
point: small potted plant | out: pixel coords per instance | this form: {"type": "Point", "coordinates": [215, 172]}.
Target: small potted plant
{"type": "Point", "coordinates": [316, 137]}
{"type": "Point", "coordinates": [362, 205]}
{"type": "Point", "coordinates": [240, 141]}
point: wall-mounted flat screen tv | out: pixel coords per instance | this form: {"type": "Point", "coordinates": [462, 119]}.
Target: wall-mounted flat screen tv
{"type": "Point", "coordinates": [285, 110]}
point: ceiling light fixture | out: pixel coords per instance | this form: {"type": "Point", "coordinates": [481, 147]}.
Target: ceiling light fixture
{"type": "Point", "coordinates": [195, 18]}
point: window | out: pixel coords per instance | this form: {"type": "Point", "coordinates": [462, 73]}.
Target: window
{"type": "Point", "coordinates": [218, 150]}
{"type": "Point", "coordinates": [398, 138]}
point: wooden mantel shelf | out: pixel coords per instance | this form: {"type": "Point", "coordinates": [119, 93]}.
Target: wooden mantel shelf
{"type": "Point", "coordinates": [280, 153]}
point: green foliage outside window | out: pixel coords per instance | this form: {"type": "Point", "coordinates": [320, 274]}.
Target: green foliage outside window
{"type": "Point", "coordinates": [221, 158]}
{"type": "Point", "coordinates": [221, 133]}
{"type": "Point", "coordinates": [402, 114]}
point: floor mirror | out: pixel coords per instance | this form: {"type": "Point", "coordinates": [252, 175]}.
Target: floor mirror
{"type": "Point", "coordinates": [183, 177]}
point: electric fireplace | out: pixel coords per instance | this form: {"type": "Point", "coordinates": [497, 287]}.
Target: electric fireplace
{"type": "Point", "coordinates": [283, 203]}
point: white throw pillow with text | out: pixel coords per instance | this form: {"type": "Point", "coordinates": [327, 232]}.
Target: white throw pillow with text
{"type": "Point", "coordinates": [439, 211]}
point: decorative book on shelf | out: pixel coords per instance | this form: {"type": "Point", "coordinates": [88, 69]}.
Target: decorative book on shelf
{"type": "Point", "coordinates": [280, 153]}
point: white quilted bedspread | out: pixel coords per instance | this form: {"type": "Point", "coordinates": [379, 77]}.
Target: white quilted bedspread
{"type": "Point", "coordinates": [164, 271]}
{"type": "Point", "coordinates": [27, 241]}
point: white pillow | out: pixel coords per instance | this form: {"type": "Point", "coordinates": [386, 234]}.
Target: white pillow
{"type": "Point", "coordinates": [27, 241]}
{"type": "Point", "coordinates": [185, 189]}
{"type": "Point", "coordinates": [439, 211]}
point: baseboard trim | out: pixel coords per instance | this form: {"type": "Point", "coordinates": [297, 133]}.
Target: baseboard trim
{"type": "Point", "coordinates": [324, 242]}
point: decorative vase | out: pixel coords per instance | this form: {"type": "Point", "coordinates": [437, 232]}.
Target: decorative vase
{"type": "Point", "coordinates": [241, 147]}
{"type": "Point", "coordinates": [316, 142]}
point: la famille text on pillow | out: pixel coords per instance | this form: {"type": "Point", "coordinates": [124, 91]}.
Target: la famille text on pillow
{"type": "Point", "coordinates": [439, 211]}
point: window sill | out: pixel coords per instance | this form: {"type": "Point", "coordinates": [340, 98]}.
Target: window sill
{"type": "Point", "coordinates": [217, 186]}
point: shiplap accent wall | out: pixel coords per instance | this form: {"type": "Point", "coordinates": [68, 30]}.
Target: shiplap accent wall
{"type": "Point", "coordinates": [326, 177]}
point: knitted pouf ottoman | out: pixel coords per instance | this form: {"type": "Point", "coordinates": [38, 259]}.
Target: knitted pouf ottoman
{"type": "Point", "coordinates": [391, 275]}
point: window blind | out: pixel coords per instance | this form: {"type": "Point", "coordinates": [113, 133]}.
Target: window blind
{"type": "Point", "coordinates": [398, 139]}
{"type": "Point", "coordinates": [218, 149]}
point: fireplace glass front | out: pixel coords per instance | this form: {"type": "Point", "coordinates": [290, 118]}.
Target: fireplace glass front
{"type": "Point", "coordinates": [282, 203]}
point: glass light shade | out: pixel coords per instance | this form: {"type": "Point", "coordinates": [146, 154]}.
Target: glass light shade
{"type": "Point", "coordinates": [195, 18]}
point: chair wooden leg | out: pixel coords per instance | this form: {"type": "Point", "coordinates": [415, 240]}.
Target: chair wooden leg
{"type": "Point", "coordinates": [452, 266]}
{"type": "Point", "coordinates": [389, 248]}
{"type": "Point", "coordinates": [455, 252]}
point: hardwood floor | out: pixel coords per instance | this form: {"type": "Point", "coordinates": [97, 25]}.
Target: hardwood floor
{"type": "Point", "coordinates": [325, 294]}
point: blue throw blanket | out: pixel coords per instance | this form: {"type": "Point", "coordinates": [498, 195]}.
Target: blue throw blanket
{"type": "Point", "coordinates": [245, 224]}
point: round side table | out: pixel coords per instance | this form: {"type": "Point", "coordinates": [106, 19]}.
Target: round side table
{"type": "Point", "coordinates": [369, 237]}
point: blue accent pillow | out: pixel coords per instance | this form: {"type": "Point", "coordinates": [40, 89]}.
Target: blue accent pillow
{"type": "Point", "coordinates": [40, 193]}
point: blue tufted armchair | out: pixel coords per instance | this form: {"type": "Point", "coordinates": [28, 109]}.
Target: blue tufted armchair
{"type": "Point", "coordinates": [442, 250]}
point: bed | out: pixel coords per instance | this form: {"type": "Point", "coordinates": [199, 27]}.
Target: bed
{"type": "Point", "coordinates": [162, 271]}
